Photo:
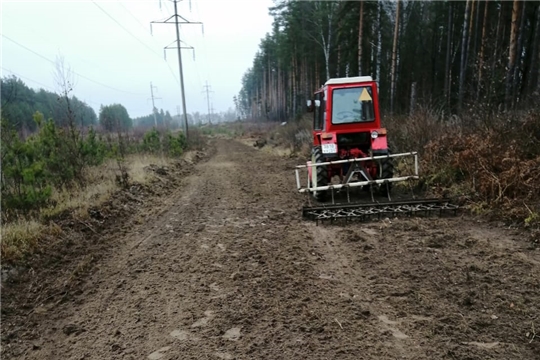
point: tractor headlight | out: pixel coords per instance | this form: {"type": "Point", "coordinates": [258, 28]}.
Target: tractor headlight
{"type": "Point", "coordinates": [374, 134]}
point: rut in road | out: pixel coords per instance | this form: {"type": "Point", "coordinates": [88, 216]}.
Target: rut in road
{"type": "Point", "coordinates": [230, 271]}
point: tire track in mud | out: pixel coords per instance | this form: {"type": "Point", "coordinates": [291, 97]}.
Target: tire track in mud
{"type": "Point", "coordinates": [230, 271]}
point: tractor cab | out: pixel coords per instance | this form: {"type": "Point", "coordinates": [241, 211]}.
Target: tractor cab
{"type": "Point", "coordinates": [346, 118]}
{"type": "Point", "coordinates": [347, 127]}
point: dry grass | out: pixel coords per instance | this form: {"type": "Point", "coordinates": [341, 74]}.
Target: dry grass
{"type": "Point", "coordinates": [100, 184]}
{"type": "Point", "coordinates": [136, 165]}
{"type": "Point", "coordinates": [21, 236]}
{"type": "Point", "coordinates": [491, 161]}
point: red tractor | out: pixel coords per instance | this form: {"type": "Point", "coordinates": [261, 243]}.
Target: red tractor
{"type": "Point", "coordinates": [348, 140]}
{"type": "Point", "coordinates": [349, 143]}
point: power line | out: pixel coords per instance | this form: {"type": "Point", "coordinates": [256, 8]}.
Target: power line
{"type": "Point", "coordinates": [27, 78]}
{"type": "Point", "coordinates": [126, 30]}
{"type": "Point", "coordinates": [208, 91]}
{"type": "Point", "coordinates": [154, 110]}
{"type": "Point", "coordinates": [24, 47]}
{"type": "Point", "coordinates": [196, 66]}
{"type": "Point", "coordinates": [172, 33]}
{"type": "Point", "coordinates": [52, 62]}
{"type": "Point", "coordinates": [48, 41]}
{"type": "Point", "coordinates": [133, 36]}
{"type": "Point", "coordinates": [205, 57]}
{"type": "Point", "coordinates": [39, 83]}
{"type": "Point", "coordinates": [179, 49]}
{"type": "Point", "coordinates": [134, 17]}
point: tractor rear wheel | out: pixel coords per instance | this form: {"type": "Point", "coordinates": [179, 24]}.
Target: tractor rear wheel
{"type": "Point", "coordinates": [386, 171]}
{"type": "Point", "coordinates": [319, 174]}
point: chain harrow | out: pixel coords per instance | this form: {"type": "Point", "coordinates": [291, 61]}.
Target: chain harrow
{"type": "Point", "coordinates": [368, 211]}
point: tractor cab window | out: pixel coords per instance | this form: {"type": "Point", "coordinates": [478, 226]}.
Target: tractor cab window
{"type": "Point", "coordinates": [320, 106]}
{"type": "Point", "coordinates": [352, 105]}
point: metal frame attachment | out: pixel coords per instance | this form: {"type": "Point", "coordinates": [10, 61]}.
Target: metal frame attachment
{"type": "Point", "coordinates": [347, 181]}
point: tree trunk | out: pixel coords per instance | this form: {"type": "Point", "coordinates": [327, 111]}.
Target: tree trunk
{"type": "Point", "coordinates": [534, 59]}
{"type": "Point", "coordinates": [476, 22]}
{"type": "Point", "coordinates": [447, 78]}
{"type": "Point", "coordinates": [296, 87]}
{"type": "Point", "coordinates": [348, 61]}
{"type": "Point", "coordinates": [317, 83]}
{"type": "Point", "coordinates": [402, 14]}
{"type": "Point", "coordinates": [463, 64]}
{"type": "Point", "coordinates": [512, 54]}
{"type": "Point", "coordinates": [413, 98]}
{"type": "Point", "coordinates": [360, 29]}
{"type": "Point", "coordinates": [516, 93]}
{"type": "Point", "coordinates": [338, 62]}
{"type": "Point", "coordinates": [305, 81]}
{"type": "Point", "coordinates": [495, 54]}
{"type": "Point", "coordinates": [482, 48]}
{"type": "Point", "coordinates": [538, 77]}
{"type": "Point", "coordinates": [394, 59]}
{"type": "Point", "coordinates": [471, 23]}
{"type": "Point", "coordinates": [328, 46]}
{"type": "Point", "coordinates": [379, 40]}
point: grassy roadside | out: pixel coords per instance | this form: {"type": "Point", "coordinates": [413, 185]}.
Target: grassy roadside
{"type": "Point", "coordinates": [22, 236]}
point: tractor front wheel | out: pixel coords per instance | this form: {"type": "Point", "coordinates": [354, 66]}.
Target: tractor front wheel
{"type": "Point", "coordinates": [319, 174]}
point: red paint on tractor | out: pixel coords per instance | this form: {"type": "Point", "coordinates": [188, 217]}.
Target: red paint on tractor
{"type": "Point", "coordinates": [347, 116]}
{"type": "Point", "coordinates": [379, 143]}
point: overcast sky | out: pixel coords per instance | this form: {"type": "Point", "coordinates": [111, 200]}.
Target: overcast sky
{"type": "Point", "coordinates": [109, 45]}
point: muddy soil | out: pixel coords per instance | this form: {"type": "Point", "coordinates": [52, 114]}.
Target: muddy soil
{"type": "Point", "coordinates": [227, 269]}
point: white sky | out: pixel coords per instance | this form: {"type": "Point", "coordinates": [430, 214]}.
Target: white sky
{"type": "Point", "coordinates": [98, 48]}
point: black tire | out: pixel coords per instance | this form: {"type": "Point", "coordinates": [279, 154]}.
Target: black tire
{"type": "Point", "coordinates": [322, 173]}
{"type": "Point", "coordinates": [386, 171]}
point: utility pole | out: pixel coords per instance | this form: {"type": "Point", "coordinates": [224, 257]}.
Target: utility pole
{"type": "Point", "coordinates": [212, 112]}
{"type": "Point", "coordinates": [153, 105]}
{"type": "Point", "coordinates": [179, 118]}
{"type": "Point", "coordinates": [178, 46]}
{"type": "Point", "coordinates": [208, 91]}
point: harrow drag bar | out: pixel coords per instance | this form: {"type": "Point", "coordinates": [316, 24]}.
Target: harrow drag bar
{"type": "Point", "coordinates": [368, 211]}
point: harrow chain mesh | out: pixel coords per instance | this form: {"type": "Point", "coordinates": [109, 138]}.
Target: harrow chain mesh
{"type": "Point", "coordinates": [375, 210]}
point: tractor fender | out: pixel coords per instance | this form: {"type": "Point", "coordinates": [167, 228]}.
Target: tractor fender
{"type": "Point", "coordinates": [329, 143]}
{"type": "Point", "coordinates": [380, 143]}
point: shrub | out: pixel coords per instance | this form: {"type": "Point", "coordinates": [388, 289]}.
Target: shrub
{"type": "Point", "coordinates": [151, 141]}
{"type": "Point", "coordinates": [175, 145]}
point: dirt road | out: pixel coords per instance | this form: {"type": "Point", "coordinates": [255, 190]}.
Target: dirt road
{"type": "Point", "coordinates": [228, 270]}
